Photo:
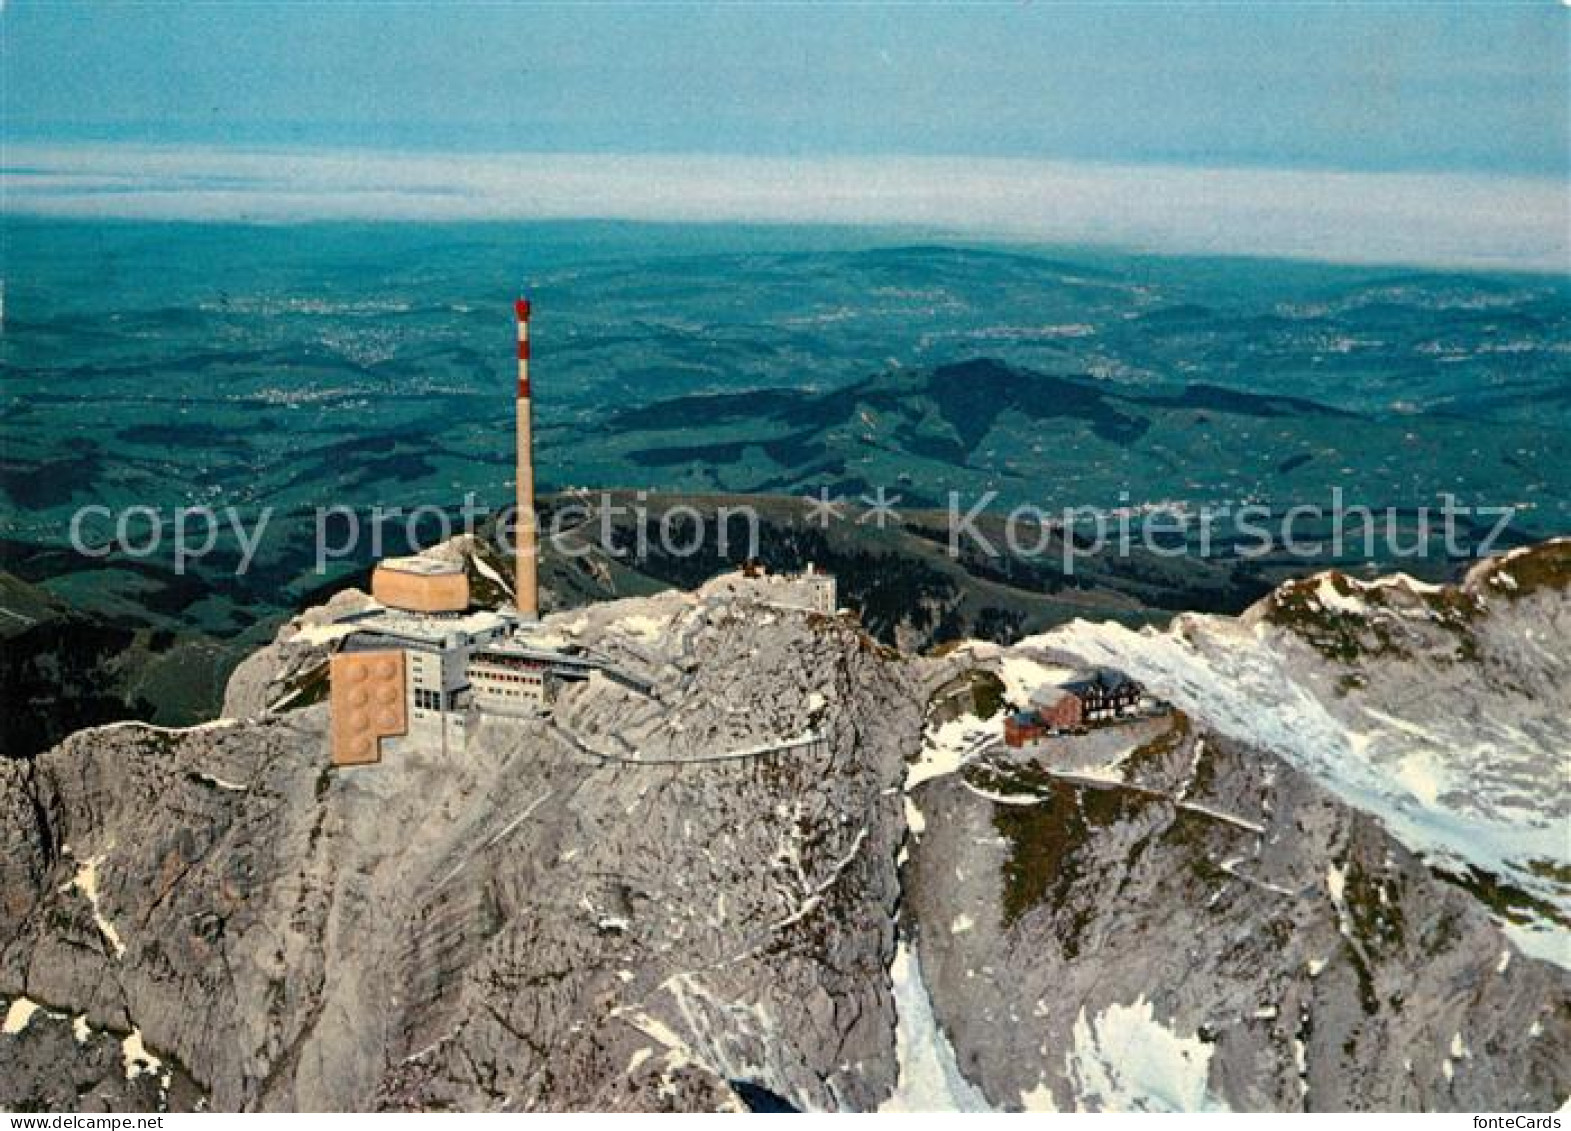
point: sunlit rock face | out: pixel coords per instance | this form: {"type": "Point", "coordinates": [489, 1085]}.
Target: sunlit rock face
{"type": "Point", "coordinates": [802, 870]}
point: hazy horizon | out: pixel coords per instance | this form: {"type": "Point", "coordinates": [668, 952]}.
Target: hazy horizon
{"type": "Point", "coordinates": [1404, 134]}
{"type": "Point", "coordinates": [1432, 220]}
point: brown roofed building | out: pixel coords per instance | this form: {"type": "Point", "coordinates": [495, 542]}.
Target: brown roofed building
{"type": "Point", "coordinates": [1094, 697]}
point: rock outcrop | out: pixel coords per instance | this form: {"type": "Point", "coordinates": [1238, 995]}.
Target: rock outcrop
{"type": "Point", "coordinates": [803, 871]}
{"type": "Point", "coordinates": [601, 910]}
{"type": "Point", "coordinates": [1214, 930]}
{"type": "Point", "coordinates": [1338, 880]}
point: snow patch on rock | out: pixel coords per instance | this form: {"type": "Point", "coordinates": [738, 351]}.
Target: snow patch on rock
{"type": "Point", "coordinates": [1125, 1060]}
{"type": "Point", "coordinates": [85, 883]}
{"type": "Point", "coordinates": [18, 1015]}
{"type": "Point", "coordinates": [930, 1078]}
{"type": "Point", "coordinates": [138, 1061]}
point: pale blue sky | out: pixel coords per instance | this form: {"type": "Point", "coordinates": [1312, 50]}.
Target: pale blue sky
{"type": "Point", "coordinates": [1471, 88]}
{"type": "Point", "coordinates": [1360, 132]}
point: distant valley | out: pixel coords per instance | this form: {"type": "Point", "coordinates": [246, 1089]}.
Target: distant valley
{"type": "Point", "coordinates": [368, 367]}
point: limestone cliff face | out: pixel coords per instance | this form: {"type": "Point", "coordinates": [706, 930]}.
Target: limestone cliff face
{"type": "Point", "coordinates": [1338, 878]}
{"type": "Point", "coordinates": [289, 672]}
{"type": "Point", "coordinates": [638, 904]}
{"type": "Point", "coordinates": [1443, 710]}
{"type": "Point", "coordinates": [540, 922]}
{"type": "Point", "coordinates": [1211, 929]}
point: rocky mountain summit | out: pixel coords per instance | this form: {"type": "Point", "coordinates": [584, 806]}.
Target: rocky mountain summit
{"type": "Point", "coordinates": [803, 869]}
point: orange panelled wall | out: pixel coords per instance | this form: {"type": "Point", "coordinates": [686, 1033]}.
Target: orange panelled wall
{"type": "Point", "coordinates": [368, 704]}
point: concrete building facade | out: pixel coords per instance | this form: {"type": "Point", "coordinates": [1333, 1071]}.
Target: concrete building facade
{"type": "Point", "coordinates": [812, 590]}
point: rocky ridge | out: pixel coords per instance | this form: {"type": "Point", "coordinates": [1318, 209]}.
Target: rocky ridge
{"type": "Point", "coordinates": [638, 903]}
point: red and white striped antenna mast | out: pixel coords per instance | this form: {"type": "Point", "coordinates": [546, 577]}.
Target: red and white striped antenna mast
{"type": "Point", "coordinates": [526, 581]}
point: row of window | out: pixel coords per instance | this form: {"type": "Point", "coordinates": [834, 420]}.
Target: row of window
{"type": "Point", "coordinates": [431, 700]}
{"type": "Point", "coordinates": [513, 693]}
{"type": "Point", "coordinates": [507, 663]}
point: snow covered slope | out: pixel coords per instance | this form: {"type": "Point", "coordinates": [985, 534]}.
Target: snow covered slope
{"type": "Point", "coordinates": [1444, 711]}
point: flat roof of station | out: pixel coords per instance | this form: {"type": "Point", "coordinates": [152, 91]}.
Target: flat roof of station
{"type": "Point", "coordinates": [422, 565]}
{"type": "Point", "coordinates": [429, 628]}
